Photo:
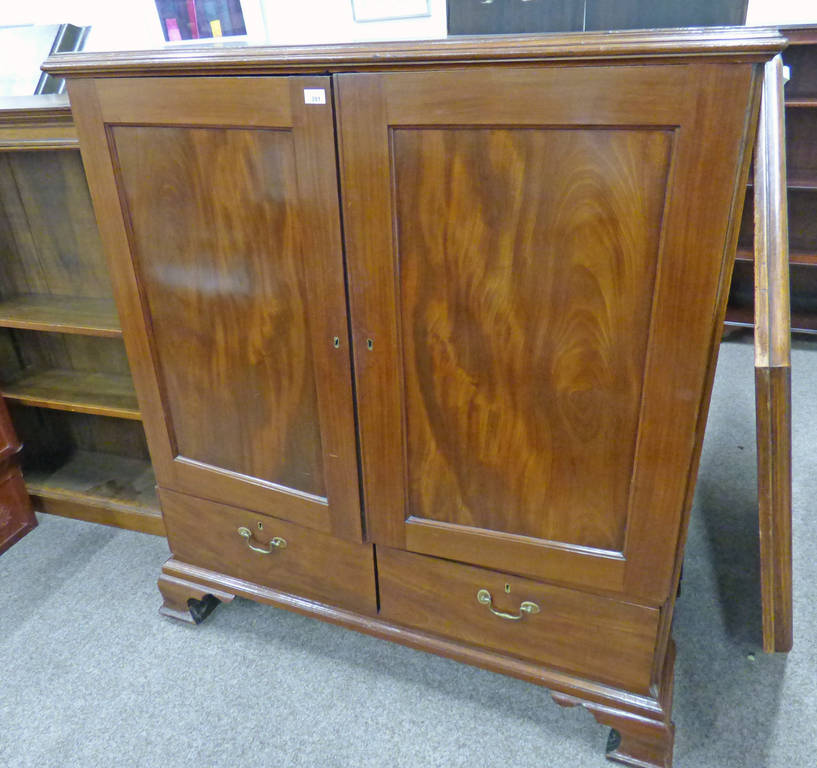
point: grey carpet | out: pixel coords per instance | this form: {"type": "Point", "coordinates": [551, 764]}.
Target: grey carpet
{"type": "Point", "coordinates": [91, 676]}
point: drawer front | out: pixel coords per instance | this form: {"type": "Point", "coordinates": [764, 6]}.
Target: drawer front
{"type": "Point", "coordinates": [311, 564]}
{"type": "Point", "coordinates": [591, 636]}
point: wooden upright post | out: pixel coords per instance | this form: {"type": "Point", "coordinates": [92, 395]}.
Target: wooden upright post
{"type": "Point", "coordinates": [773, 364]}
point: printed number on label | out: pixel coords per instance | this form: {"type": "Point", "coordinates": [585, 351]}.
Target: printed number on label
{"type": "Point", "coordinates": [314, 96]}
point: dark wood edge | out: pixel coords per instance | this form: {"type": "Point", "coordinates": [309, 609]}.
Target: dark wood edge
{"type": "Point", "coordinates": [553, 679]}
{"type": "Point", "coordinates": [144, 520]}
{"type": "Point", "coordinates": [754, 43]}
{"type": "Point", "coordinates": [35, 110]}
{"type": "Point", "coordinates": [773, 408]}
{"type": "Point", "coordinates": [643, 742]}
{"type": "Point", "coordinates": [10, 472]}
{"type": "Point", "coordinates": [7, 453]}
{"type": "Point", "coordinates": [27, 527]}
{"type": "Point", "coordinates": [720, 310]}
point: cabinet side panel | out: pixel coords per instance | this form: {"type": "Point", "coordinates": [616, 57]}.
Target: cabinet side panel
{"type": "Point", "coordinates": [218, 255]}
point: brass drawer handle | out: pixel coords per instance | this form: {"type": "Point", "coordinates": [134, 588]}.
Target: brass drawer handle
{"type": "Point", "coordinates": [276, 543]}
{"type": "Point", "coordinates": [484, 597]}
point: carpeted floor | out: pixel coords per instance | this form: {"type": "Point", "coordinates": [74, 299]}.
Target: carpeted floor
{"type": "Point", "coordinates": [92, 676]}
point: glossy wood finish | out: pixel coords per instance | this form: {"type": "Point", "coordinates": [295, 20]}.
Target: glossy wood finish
{"type": "Point", "coordinates": [773, 365]}
{"type": "Point", "coordinates": [177, 594]}
{"type": "Point", "coordinates": [16, 515]}
{"type": "Point", "coordinates": [642, 720]}
{"type": "Point", "coordinates": [279, 437]}
{"type": "Point", "coordinates": [205, 581]}
{"type": "Point", "coordinates": [637, 739]}
{"type": "Point", "coordinates": [316, 566]}
{"type": "Point", "coordinates": [445, 351]}
{"type": "Point", "coordinates": [517, 335]}
{"type": "Point", "coordinates": [648, 142]}
{"type": "Point", "coordinates": [747, 43]}
{"type": "Point", "coordinates": [259, 394]}
{"type": "Point", "coordinates": [439, 597]}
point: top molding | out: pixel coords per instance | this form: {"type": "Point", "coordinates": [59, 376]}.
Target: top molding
{"type": "Point", "coordinates": [46, 108]}
{"type": "Point", "coordinates": [746, 43]}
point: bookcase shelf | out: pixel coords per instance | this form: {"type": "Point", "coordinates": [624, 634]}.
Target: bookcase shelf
{"type": "Point", "coordinates": [93, 392]}
{"type": "Point", "coordinates": [795, 257]}
{"type": "Point", "coordinates": [63, 368]}
{"type": "Point", "coordinates": [799, 102]}
{"type": "Point", "coordinates": [100, 487]}
{"type": "Point", "coordinates": [801, 183]}
{"type": "Point", "coordinates": [61, 314]}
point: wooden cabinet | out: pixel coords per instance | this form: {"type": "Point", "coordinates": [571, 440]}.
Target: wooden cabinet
{"type": "Point", "coordinates": [63, 368]}
{"type": "Point", "coordinates": [535, 238]}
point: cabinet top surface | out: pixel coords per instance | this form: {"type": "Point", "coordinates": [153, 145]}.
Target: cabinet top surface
{"type": "Point", "coordinates": [731, 42]}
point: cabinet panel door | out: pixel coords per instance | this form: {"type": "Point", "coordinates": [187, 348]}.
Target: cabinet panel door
{"type": "Point", "coordinates": [218, 202]}
{"type": "Point", "coordinates": [536, 262]}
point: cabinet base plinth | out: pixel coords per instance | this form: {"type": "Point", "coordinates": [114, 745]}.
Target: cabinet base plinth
{"type": "Point", "coordinates": [642, 722]}
{"type": "Point", "coordinates": [178, 594]}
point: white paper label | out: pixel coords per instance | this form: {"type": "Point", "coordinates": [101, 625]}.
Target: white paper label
{"type": "Point", "coordinates": [314, 96]}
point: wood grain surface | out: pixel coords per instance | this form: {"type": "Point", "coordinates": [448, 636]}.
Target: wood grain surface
{"type": "Point", "coordinates": [93, 392]}
{"type": "Point", "coordinates": [655, 706]}
{"type": "Point", "coordinates": [749, 44]}
{"type": "Point", "coordinates": [70, 372]}
{"type": "Point", "coordinates": [62, 314]}
{"type": "Point", "coordinates": [605, 639]}
{"type": "Point", "coordinates": [312, 564]}
{"type": "Point", "coordinates": [526, 310]}
{"type": "Point", "coordinates": [100, 487]}
{"type": "Point", "coordinates": [261, 241]}
{"type": "Point", "coordinates": [493, 339]}
{"type": "Point", "coordinates": [47, 228]}
{"type": "Point", "coordinates": [228, 311]}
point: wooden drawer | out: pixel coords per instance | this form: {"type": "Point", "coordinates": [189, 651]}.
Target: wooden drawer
{"type": "Point", "coordinates": [592, 636]}
{"type": "Point", "coordinates": [312, 564]}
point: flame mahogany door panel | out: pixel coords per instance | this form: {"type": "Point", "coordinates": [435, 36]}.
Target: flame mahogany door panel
{"type": "Point", "coordinates": [218, 202]}
{"type": "Point", "coordinates": [537, 260]}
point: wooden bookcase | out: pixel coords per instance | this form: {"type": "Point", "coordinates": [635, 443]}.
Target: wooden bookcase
{"type": "Point", "coordinates": [63, 369]}
{"type": "Point", "coordinates": [801, 172]}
